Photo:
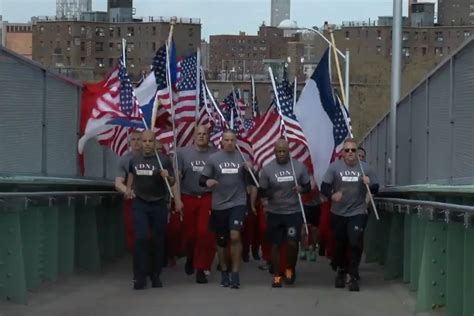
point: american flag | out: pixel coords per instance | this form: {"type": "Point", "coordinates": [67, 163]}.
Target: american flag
{"type": "Point", "coordinates": [341, 129]}
{"type": "Point", "coordinates": [187, 90]}
{"type": "Point", "coordinates": [163, 91]}
{"type": "Point", "coordinates": [111, 113]}
{"type": "Point", "coordinates": [272, 127]}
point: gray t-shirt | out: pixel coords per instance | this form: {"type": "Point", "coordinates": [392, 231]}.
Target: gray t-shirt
{"type": "Point", "coordinates": [191, 163]}
{"type": "Point", "coordinates": [348, 180]}
{"type": "Point", "coordinates": [228, 169]}
{"type": "Point", "coordinates": [279, 180]}
{"type": "Point", "coordinates": [123, 165]}
{"type": "Point", "coordinates": [148, 184]}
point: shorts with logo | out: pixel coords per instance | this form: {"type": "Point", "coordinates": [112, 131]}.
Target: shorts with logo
{"type": "Point", "coordinates": [223, 221]}
{"type": "Point", "coordinates": [283, 227]}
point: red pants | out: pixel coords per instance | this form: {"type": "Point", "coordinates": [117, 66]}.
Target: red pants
{"type": "Point", "coordinates": [326, 238]}
{"type": "Point", "coordinates": [128, 225]}
{"type": "Point", "coordinates": [198, 240]}
{"type": "Point", "coordinates": [173, 235]}
{"type": "Point", "coordinates": [262, 233]}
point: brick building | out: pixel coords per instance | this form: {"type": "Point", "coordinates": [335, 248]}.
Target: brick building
{"type": "Point", "coordinates": [84, 49]}
{"type": "Point", "coordinates": [455, 12]}
{"type": "Point", "coordinates": [17, 37]}
{"type": "Point", "coordinates": [237, 57]}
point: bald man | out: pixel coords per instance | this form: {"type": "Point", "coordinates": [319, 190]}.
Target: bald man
{"type": "Point", "coordinates": [146, 185]}
{"type": "Point", "coordinates": [195, 202]}
{"type": "Point", "coordinates": [284, 219]}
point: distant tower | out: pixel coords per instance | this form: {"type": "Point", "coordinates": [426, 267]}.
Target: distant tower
{"type": "Point", "coordinates": [280, 11]}
{"type": "Point", "coordinates": [72, 8]}
{"type": "Point", "coordinates": [120, 10]}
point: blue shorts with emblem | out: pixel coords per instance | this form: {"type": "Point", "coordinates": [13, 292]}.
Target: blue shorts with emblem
{"type": "Point", "coordinates": [223, 221]}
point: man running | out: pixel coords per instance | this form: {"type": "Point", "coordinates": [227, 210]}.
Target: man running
{"type": "Point", "coordinates": [194, 201]}
{"type": "Point", "coordinates": [345, 183]}
{"type": "Point", "coordinates": [226, 174]}
{"type": "Point", "coordinates": [284, 218]}
{"type": "Point", "coordinates": [146, 185]}
{"type": "Point", "coordinates": [121, 185]}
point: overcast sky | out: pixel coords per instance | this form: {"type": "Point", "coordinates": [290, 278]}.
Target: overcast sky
{"type": "Point", "coordinates": [223, 16]}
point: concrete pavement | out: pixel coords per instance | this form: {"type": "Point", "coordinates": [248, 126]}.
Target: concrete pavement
{"type": "Point", "coordinates": [110, 293]}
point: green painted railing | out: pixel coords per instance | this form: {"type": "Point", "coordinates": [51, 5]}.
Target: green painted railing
{"type": "Point", "coordinates": [425, 238]}
{"type": "Point", "coordinates": [46, 234]}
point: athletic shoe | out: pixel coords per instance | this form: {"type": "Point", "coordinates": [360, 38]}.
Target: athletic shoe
{"type": "Point", "coordinates": [139, 284]}
{"type": "Point", "coordinates": [201, 277]}
{"type": "Point", "coordinates": [276, 281]}
{"type": "Point", "coordinates": [207, 272]}
{"type": "Point", "coordinates": [235, 280]}
{"type": "Point", "coordinates": [340, 281]}
{"type": "Point", "coordinates": [354, 285]}
{"type": "Point", "coordinates": [255, 255]}
{"type": "Point", "coordinates": [188, 267]}
{"type": "Point", "coordinates": [156, 282]}
{"type": "Point", "coordinates": [264, 266]}
{"type": "Point", "coordinates": [225, 281]}
{"type": "Point", "coordinates": [290, 276]}
{"type": "Point", "coordinates": [312, 255]}
{"type": "Point", "coordinates": [303, 255]}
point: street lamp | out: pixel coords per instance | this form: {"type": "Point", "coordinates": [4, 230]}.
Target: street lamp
{"type": "Point", "coordinates": [292, 25]}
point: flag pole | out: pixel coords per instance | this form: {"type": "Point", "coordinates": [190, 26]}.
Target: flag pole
{"type": "Point", "coordinates": [282, 127]}
{"type": "Point", "coordinates": [198, 84]}
{"type": "Point", "coordinates": [124, 62]}
{"type": "Point", "coordinates": [169, 47]}
{"type": "Point", "coordinates": [254, 110]}
{"type": "Point", "coordinates": [213, 101]}
{"type": "Point", "coordinates": [346, 119]}
{"type": "Point", "coordinates": [338, 67]}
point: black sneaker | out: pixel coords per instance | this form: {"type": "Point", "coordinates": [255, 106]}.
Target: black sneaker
{"type": "Point", "coordinates": [354, 285]}
{"type": "Point", "coordinates": [340, 281]}
{"type": "Point", "coordinates": [156, 282]}
{"type": "Point", "coordinates": [255, 255]}
{"type": "Point", "coordinates": [139, 283]}
{"type": "Point", "coordinates": [188, 267]}
{"type": "Point", "coordinates": [218, 267]}
{"type": "Point", "coordinates": [201, 277]}
{"type": "Point", "coordinates": [225, 280]}
{"type": "Point", "coordinates": [356, 276]}
{"type": "Point", "coordinates": [235, 280]}
{"type": "Point", "coordinates": [276, 281]}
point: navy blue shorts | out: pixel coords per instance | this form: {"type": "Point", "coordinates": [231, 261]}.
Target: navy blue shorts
{"type": "Point", "coordinates": [223, 221]}
{"type": "Point", "coordinates": [284, 227]}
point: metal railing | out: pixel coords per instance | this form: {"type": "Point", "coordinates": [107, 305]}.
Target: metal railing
{"type": "Point", "coordinates": [430, 210]}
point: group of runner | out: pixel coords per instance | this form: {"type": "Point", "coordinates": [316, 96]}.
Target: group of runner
{"type": "Point", "coordinates": [221, 201]}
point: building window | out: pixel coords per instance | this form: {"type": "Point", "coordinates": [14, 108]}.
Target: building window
{"type": "Point", "coordinates": [130, 31]}
{"type": "Point", "coordinates": [379, 34]}
{"type": "Point", "coordinates": [423, 51]}
{"type": "Point", "coordinates": [111, 32]}
{"type": "Point", "coordinates": [41, 43]}
{"type": "Point", "coordinates": [83, 61]}
{"type": "Point", "coordinates": [111, 62]}
{"type": "Point", "coordinates": [68, 61]}
{"type": "Point", "coordinates": [69, 30]}
{"type": "Point", "coordinates": [191, 32]}
{"type": "Point", "coordinates": [438, 51]}
{"type": "Point", "coordinates": [41, 29]}
{"type": "Point", "coordinates": [406, 36]}
{"type": "Point", "coordinates": [406, 51]}
{"type": "Point", "coordinates": [347, 35]}
{"type": "Point", "coordinates": [130, 47]}
{"type": "Point", "coordinates": [153, 30]}
{"type": "Point", "coordinates": [467, 34]}
{"type": "Point", "coordinates": [215, 93]}
{"type": "Point", "coordinates": [119, 32]}
{"type": "Point", "coordinates": [83, 30]}
{"type": "Point", "coordinates": [416, 36]}
{"type": "Point", "coordinates": [99, 62]}
{"type": "Point", "coordinates": [378, 50]}
{"type": "Point", "coordinates": [439, 36]}
{"type": "Point", "coordinates": [83, 46]}
{"type": "Point", "coordinates": [68, 45]}
{"type": "Point", "coordinates": [425, 36]}
{"type": "Point", "coordinates": [111, 46]}
{"type": "Point", "coordinates": [153, 46]}
{"type": "Point", "coordinates": [99, 46]}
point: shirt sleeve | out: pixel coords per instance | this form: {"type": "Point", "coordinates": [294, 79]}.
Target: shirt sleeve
{"type": "Point", "coordinates": [329, 175]}
{"type": "Point", "coordinates": [264, 181]}
{"type": "Point", "coordinates": [305, 178]}
{"type": "Point", "coordinates": [168, 166]}
{"type": "Point", "coordinates": [130, 167]}
{"type": "Point", "coordinates": [179, 158]}
{"type": "Point", "coordinates": [123, 167]}
{"type": "Point", "coordinates": [208, 170]}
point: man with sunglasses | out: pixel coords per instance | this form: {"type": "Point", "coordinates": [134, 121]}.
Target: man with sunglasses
{"type": "Point", "coordinates": [345, 184]}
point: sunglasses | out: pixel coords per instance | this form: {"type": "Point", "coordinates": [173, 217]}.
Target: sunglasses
{"type": "Point", "coordinates": [352, 150]}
